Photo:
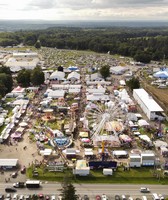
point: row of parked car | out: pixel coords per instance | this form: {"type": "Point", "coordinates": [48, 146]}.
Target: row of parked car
{"type": "Point", "coordinates": [40, 196]}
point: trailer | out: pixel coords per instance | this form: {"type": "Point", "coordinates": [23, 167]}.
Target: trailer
{"type": "Point", "coordinates": [32, 184]}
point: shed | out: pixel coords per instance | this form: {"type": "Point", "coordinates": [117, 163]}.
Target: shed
{"type": "Point", "coordinates": [107, 171]}
{"type": "Point", "coordinates": [81, 168]}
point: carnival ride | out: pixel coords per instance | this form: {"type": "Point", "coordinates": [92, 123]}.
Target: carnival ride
{"type": "Point", "coordinates": [104, 119]}
{"type": "Point", "coordinates": [48, 117]}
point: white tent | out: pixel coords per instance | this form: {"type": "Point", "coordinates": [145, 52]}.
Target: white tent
{"type": "Point", "coordinates": [73, 76]}
{"type": "Point", "coordinates": [142, 122]}
{"type": "Point", "coordinates": [57, 75]}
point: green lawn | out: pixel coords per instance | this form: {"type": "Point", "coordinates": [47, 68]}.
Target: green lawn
{"type": "Point", "coordinates": [133, 176]}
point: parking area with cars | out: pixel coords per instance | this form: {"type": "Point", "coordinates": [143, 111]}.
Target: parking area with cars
{"type": "Point", "coordinates": [12, 195]}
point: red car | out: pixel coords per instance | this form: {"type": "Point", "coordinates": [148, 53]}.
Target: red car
{"type": "Point", "coordinates": [23, 170]}
{"type": "Point", "coordinates": [98, 197]}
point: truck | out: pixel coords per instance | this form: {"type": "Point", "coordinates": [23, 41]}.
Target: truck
{"type": "Point", "coordinates": [19, 185]}
{"type": "Point", "coordinates": [32, 184]}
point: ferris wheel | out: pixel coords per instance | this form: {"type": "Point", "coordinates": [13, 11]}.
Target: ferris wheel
{"type": "Point", "coordinates": [103, 119]}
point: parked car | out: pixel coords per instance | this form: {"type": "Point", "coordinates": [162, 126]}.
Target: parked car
{"type": "Point", "coordinates": [8, 189]}
{"type": "Point", "coordinates": [27, 197]}
{"type": "Point", "coordinates": [47, 197]}
{"type": "Point", "coordinates": [1, 197]}
{"type": "Point", "coordinates": [14, 174]}
{"type": "Point", "coordinates": [15, 197]}
{"type": "Point", "coordinates": [144, 190]}
{"type": "Point", "coordinates": [8, 196]}
{"type": "Point", "coordinates": [59, 197]}
{"type": "Point", "coordinates": [123, 197]}
{"type": "Point", "coordinates": [161, 197]}
{"type": "Point", "coordinates": [104, 197]}
{"type": "Point", "coordinates": [21, 197]}
{"type": "Point", "coordinates": [117, 197]}
{"type": "Point", "coordinates": [53, 197]}
{"type": "Point", "coordinates": [98, 197]}
{"type": "Point", "coordinates": [23, 170]}
{"type": "Point", "coordinates": [85, 197]}
{"type": "Point", "coordinates": [41, 196]}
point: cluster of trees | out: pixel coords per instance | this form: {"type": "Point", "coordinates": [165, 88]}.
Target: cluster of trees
{"type": "Point", "coordinates": [6, 81]}
{"type": "Point", "coordinates": [133, 83]}
{"type": "Point", "coordinates": [28, 77]}
{"type": "Point", "coordinates": [143, 44]}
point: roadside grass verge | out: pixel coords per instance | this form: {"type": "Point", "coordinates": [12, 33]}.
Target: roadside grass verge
{"type": "Point", "coordinates": [142, 175]}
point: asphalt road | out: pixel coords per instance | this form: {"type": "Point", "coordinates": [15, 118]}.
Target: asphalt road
{"type": "Point", "coordinates": [93, 189]}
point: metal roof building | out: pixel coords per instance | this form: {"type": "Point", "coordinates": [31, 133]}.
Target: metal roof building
{"type": "Point", "coordinates": [148, 104]}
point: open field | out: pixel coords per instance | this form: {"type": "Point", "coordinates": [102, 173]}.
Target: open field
{"type": "Point", "coordinates": [160, 95]}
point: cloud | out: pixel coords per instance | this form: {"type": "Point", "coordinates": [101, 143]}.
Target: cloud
{"type": "Point", "coordinates": [93, 4]}
{"type": "Point", "coordinates": [84, 9]}
{"type": "Point", "coordinates": [40, 4]}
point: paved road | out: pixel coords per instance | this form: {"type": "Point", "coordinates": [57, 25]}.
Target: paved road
{"type": "Point", "coordinates": [93, 189]}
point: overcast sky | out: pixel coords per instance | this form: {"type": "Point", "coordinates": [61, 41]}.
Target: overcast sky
{"type": "Point", "coordinates": [84, 9]}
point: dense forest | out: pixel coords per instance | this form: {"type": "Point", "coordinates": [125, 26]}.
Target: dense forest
{"type": "Point", "coordinates": [143, 44]}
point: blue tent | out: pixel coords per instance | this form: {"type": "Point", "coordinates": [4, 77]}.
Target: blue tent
{"type": "Point", "coordinates": [73, 68]}
{"type": "Point", "coordinates": [161, 74]}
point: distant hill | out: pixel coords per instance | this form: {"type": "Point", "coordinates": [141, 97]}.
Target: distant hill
{"type": "Point", "coordinates": [14, 25]}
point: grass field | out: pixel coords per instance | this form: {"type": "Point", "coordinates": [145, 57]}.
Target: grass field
{"type": "Point", "coordinates": [160, 95]}
{"type": "Point", "coordinates": [142, 175]}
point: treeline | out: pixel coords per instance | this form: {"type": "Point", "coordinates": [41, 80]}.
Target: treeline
{"type": "Point", "coordinates": [143, 44]}
{"type": "Point", "coordinates": [6, 81]}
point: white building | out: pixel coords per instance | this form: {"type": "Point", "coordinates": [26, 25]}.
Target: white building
{"type": "Point", "coordinates": [81, 168]}
{"type": "Point", "coordinates": [55, 94]}
{"type": "Point", "coordinates": [97, 97]}
{"type": "Point", "coordinates": [96, 90]}
{"type": "Point", "coordinates": [152, 110]}
{"type": "Point", "coordinates": [135, 160]}
{"type": "Point", "coordinates": [118, 70]}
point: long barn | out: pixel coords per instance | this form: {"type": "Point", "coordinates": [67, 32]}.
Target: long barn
{"type": "Point", "coordinates": [149, 106]}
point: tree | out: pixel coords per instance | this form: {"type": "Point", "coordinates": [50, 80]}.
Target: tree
{"type": "Point", "coordinates": [68, 190]}
{"type": "Point", "coordinates": [37, 76]}
{"type": "Point", "coordinates": [23, 77]}
{"type": "Point", "coordinates": [133, 83]}
{"type": "Point", "coordinates": [143, 57]}
{"type": "Point", "coordinates": [60, 69]}
{"type": "Point", "coordinates": [105, 71]}
{"type": "Point", "coordinates": [38, 44]}
{"type": "Point", "coordinates": [7, 81]}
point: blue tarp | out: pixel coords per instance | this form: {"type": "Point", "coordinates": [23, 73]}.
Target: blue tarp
{"type": "Point", "coordinates": [161, 74]}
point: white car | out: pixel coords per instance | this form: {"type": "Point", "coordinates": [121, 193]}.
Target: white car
{"type": "Point", "coordinates": [53, 197]}
{"type": "Point", "coordinates": [161, 197]}
{"type": "Point", "coordinates": [21, 197]}
{"type": "Point", "coordinates": [144, 190]}
{"type": "Point", "coordinates": [15, 197]}
{"type": "Point", "coordinates": [104, 197]}
{"type": "Point", "coordinates": [59, 197]}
